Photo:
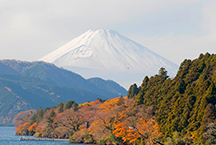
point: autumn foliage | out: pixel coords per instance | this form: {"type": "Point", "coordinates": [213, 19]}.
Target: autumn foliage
{"type": "Point", "coordinates": [144, 129]}
{"type": "Point", "coordinates": [106, 122]}
{"type": "Point", "coordinates": [160, 111]}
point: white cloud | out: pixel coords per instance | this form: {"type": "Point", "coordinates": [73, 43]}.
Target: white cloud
{"type": "Point", "coordinates": [31, 29]}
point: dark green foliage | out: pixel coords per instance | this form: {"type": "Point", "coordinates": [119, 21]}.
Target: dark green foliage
{"type": "Point", "coordinates": [68, 104]}
{"type": "Point", "coordinates": [46, 109]}
{"type": "Point", "coordinates": [101, 100]}
{"type": "Point", "coordinates": [71, 104]}
{"type": "Point", "coordinates": [52, 113]}
{"type": "Point", "coordinates": [61, 107]}
{"type": "Point", "coordinates": [49, 120]}
{"type": "Point", "coordinates": [133, 91]}
{"type": "Point", "coordinates": [185, 103]}
{"type": "Point", "coordinates": [33, 119]}
{"type": "Point", "coordinates": [163, 74]}
{"type": "Point", "coordinates": [39, 114]}
{"type": "Point", "coordinates": [145, 81]}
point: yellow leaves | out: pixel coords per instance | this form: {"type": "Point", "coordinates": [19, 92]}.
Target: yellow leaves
{"type": "Point", "coordinates": [83, 104]}
{"type": "Point", "coordinates": [193, 134]}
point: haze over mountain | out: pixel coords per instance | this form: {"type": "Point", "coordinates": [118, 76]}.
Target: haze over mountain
{"type": "Point", "coordinates": [51, 73]}
{"type": "Point", "coordinates": [108, 54]}
{"type": "Point", "coordinates": [27, 85]}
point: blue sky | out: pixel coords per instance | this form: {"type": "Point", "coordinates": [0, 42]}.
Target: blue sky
{"type": "Point", "coordinates": [174, 29]}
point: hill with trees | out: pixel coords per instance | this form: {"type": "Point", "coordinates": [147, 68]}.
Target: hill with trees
{"type": "Point", "coordinates": [19, 93]}
{"type": "Point", "coordinates": [27, 85]}
{"type": "Point", "coordinates": [161, 111]}
{"type": "Point", "coordinates": [59, 76]}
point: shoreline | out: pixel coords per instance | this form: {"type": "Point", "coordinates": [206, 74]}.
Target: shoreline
{"type": "Point", "coordinates": [42, 139]}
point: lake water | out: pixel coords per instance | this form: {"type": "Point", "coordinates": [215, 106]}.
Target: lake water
{"type": "Point", "coordinates": [8, 137]}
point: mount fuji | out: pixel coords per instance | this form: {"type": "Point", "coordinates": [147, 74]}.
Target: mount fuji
{"type": "Point", "coordinates": [110, 55]}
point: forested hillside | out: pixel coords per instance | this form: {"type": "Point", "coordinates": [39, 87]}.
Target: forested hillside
{"type": "Point", "coordinates": [160, 111]}
{"type": "Point", "coordinates": [27, 85]}
{"type": "Point", "coordinates": [185, 104]}
{"type": "Point", "coordinates": [59, 76]}
{"type": "Point", "coordinates": [19, 93]}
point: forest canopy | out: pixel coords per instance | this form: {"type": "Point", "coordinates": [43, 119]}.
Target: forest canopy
{"type": "Point", "coordinates": [160, 111]}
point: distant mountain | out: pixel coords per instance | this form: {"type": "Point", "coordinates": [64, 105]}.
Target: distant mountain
{"type": "Point", "coordinates": [108, 51]}
{"type": "Point", "coordinates": [20, 93]}
{"type": "Point", "coordinates": [4, 69]}
{"type": "Point", "coordinates": [107, 85]}
{"type": "Point", "coordinates": [51, 73]}
{"type": "Point", "coordinates": [27, 85]}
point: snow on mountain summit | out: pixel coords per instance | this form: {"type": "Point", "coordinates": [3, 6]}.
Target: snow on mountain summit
{"type": "Point", "coordinates": [108, 50]}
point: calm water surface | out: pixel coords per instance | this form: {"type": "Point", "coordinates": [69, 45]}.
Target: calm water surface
{"type": "Point", "coordinates": [8, 137]}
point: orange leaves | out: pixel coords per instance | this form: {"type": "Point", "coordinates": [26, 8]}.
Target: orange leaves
{"type": "Point", "coordinates": [108, 105]}
{"type": "Point", "coordinates": [126, 132]}
{"type": "Point", "coordinates": [146, 129]}
{"type": "Point", "coordinates": [58, 114]}
{"type": "Point", "coordinates": [120, 129]}
{"type": "Point", "coordinates": [94, 103]}
{"type": "Point", "coordinates": [119, 125]}
{"type": "Point", "coordinates": [32, 127]}
{"type": "Point", "coordinates": [99, 121]}
{"type": "Point", "coordinates": [19, 128]}
{"type": "Point", "coordinates": [25, 124]}
{"type": "Point", "coordinates": [22, 127]}
{"type": "Point", "coordinates": [108, 115]}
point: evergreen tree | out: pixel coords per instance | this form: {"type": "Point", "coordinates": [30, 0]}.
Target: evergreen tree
{"type": "Point", "coordinates": [39, 114]}
{"type": "Point", "coordinates": [133, 91]}
{"type": "Point", "coordinates": [71, 104]}
{"type": "Point", "coordinates": [163, 74]}
{"type": "Point", "coordinates": [68, 104]}
{"type": "Point", "coordinates": [52, 113]}
{"type": "Point", "coordinates": [60, 107]}
{"type": "Point", "coordinates": [145, 81]}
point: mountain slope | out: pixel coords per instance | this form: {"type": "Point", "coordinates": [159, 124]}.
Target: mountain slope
{"type": "Point", "coordinates": [59, 76]}
{"type": "Point", "coordinates": [4, 69]}
{"type": "Point", "coordinates": [20, 93]}
{"type": "Point", "coordinates": [108, 85]}
{"type": "Point", "coordinates": [109, 51]}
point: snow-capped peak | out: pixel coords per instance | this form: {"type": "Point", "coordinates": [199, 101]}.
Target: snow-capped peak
{"type": "Point", "coordinates": [108, 50]}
